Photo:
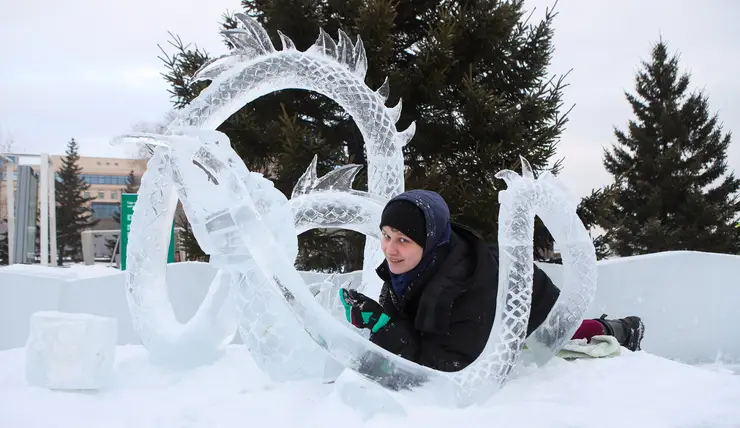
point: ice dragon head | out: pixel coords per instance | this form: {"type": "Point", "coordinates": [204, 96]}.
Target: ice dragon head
{"type": "Point", "coordinates": [224, 182]}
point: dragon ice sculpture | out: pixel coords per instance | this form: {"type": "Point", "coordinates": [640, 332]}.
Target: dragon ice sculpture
{"type": "Point", "coordinates": [288, 319]}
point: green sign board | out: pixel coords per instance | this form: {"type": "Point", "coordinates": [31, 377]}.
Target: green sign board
{"type": "Point", "coordinates": [127, 211]}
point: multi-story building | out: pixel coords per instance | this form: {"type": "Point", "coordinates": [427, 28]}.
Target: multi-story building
{"type": "Point", "coordinates": [107, 178]}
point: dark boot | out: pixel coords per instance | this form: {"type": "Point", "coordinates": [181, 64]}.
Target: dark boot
{"type": "Point", "coordinates": [628, 331]}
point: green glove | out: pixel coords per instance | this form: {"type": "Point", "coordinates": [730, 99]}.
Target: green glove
{"type": "Point", "coordinates": [362, 311]}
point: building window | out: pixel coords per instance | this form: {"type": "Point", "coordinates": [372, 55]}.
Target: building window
{"type": "Point", "coordinates": [2, 177]}
{"type": "Point", "coordinates": [86, 194]}
{"type": "Point", "coordinates": [119, 180]}
{"type": "Point", "coordinates": [114, 195]}
{"type": "Point", "coordinates": [103, 210]}
{"type": "Point", "coordinates": [101, 195]}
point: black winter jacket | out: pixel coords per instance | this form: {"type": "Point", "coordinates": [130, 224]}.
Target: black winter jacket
{"type": "Point", "coordinates": [445, 317]}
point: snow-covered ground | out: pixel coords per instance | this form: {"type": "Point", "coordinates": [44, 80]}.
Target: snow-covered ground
{"type": "Point", "coordinates": [650, 388]}
{"type": "Point", "coordinates": [70, 272]}
{"type": "Point", "coordinates": [632, 390]}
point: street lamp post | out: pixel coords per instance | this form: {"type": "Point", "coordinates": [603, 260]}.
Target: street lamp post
{"type": "Point", "coordinates": [10, 199]}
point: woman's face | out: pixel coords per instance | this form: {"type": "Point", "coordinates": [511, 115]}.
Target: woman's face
{"type": "Point", "coordinates": [400, 251]}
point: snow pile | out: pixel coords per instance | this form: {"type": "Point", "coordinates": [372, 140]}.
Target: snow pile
{"type": "Point", "coordinates": [22, 293]}
{"type": "Point", "coordinates": [67, 273]}
{"type": "Point", "coordinates": [687, 300]}
{"type": "Point", "coordinates": [632, 390]}
{"type": "Point", "coordinates": [684, 297]}
{"type": "Point", "coordinates": [70, 351]}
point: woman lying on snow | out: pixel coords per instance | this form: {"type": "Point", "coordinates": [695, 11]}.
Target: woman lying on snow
{"type": "Point", "coordinates": [439, 294]}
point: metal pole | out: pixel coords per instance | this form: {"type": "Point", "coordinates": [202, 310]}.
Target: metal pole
{"type": "Point", "coordinates": [44, 200]}
{"type": "Point", "coordinates": [9, 179]}
{"type": "Point", "coordinates": [52, 214]}
{"type": "Point", "coordinates": [115, 250]}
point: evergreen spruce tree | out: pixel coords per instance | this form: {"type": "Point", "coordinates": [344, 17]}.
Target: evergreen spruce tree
{"type": "Point", "coordinates": [188, 241]}
{"type": "Point", "coordinates": [132, 183]}
{"type": "Point", "coordinates": [4, 258]}
{"type": "Point", "coordinates": [672, 188]}
{"type": "Point", "coordinates": [73, 214]}
{"type": "Point", "coordinates": [473, 76]}
{"type": "Point", "coordinates": [590, 210]}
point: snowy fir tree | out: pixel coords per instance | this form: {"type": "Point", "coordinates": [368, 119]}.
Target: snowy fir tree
{"type": "Point", "coordinates": [672, 188]}
{"type": "Point", "coordinates": [187, 239]}
{"type": "Point", "coordinates": [473, 76]}
{"type": "Point", "coordinates": [73, 213]}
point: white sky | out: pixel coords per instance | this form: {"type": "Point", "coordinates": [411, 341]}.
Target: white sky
{"type": "Point", "coordinates": [89, 69]}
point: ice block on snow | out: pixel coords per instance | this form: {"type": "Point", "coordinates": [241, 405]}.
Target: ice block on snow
{"type": "Point", "coordinates": [70, 351]}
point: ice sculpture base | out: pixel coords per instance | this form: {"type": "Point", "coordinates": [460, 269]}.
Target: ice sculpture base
{"type": "Point", "coordinates": [68, 351]}
{"type": "Point", "coordinates": [367, 399]}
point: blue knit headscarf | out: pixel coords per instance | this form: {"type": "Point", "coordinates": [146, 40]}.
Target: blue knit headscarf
{"type": "Point", "coordinates": [437, 216]}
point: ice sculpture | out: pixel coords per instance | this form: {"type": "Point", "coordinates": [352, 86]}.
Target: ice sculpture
{"type": "Point", "coordinates": [330, 202]}
{"type": "Point", "coordinates": [70, 351]}
{"type": "Point", "coordinates": [243, 222]}
{"type": "Point", "coordinates": [229, 226]}
{"type": "Point", "coordinates": [205, 336]}
{"type": "Point", "coordinates": [557, 208]}
{"type": "Point", "coordinates": [255, 68]}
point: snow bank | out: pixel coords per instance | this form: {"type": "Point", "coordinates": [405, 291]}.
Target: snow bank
{"type": "Point", "coordinates": [687, 299]}
{"type": "Point", "coordinates": [66, 273]}
{"type": "Point", "coordinates": [27, 289]}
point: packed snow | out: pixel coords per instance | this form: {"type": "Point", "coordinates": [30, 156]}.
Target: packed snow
{"type": "Point", "coordinates": [632, 390]}
{"type": "Point", "coordinates": [69, 272]}
{"type": "Point", "coordinates": [642, 389]}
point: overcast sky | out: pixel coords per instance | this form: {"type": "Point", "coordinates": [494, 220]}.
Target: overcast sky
{"type": "Point", "coordinates": [89, 69]}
